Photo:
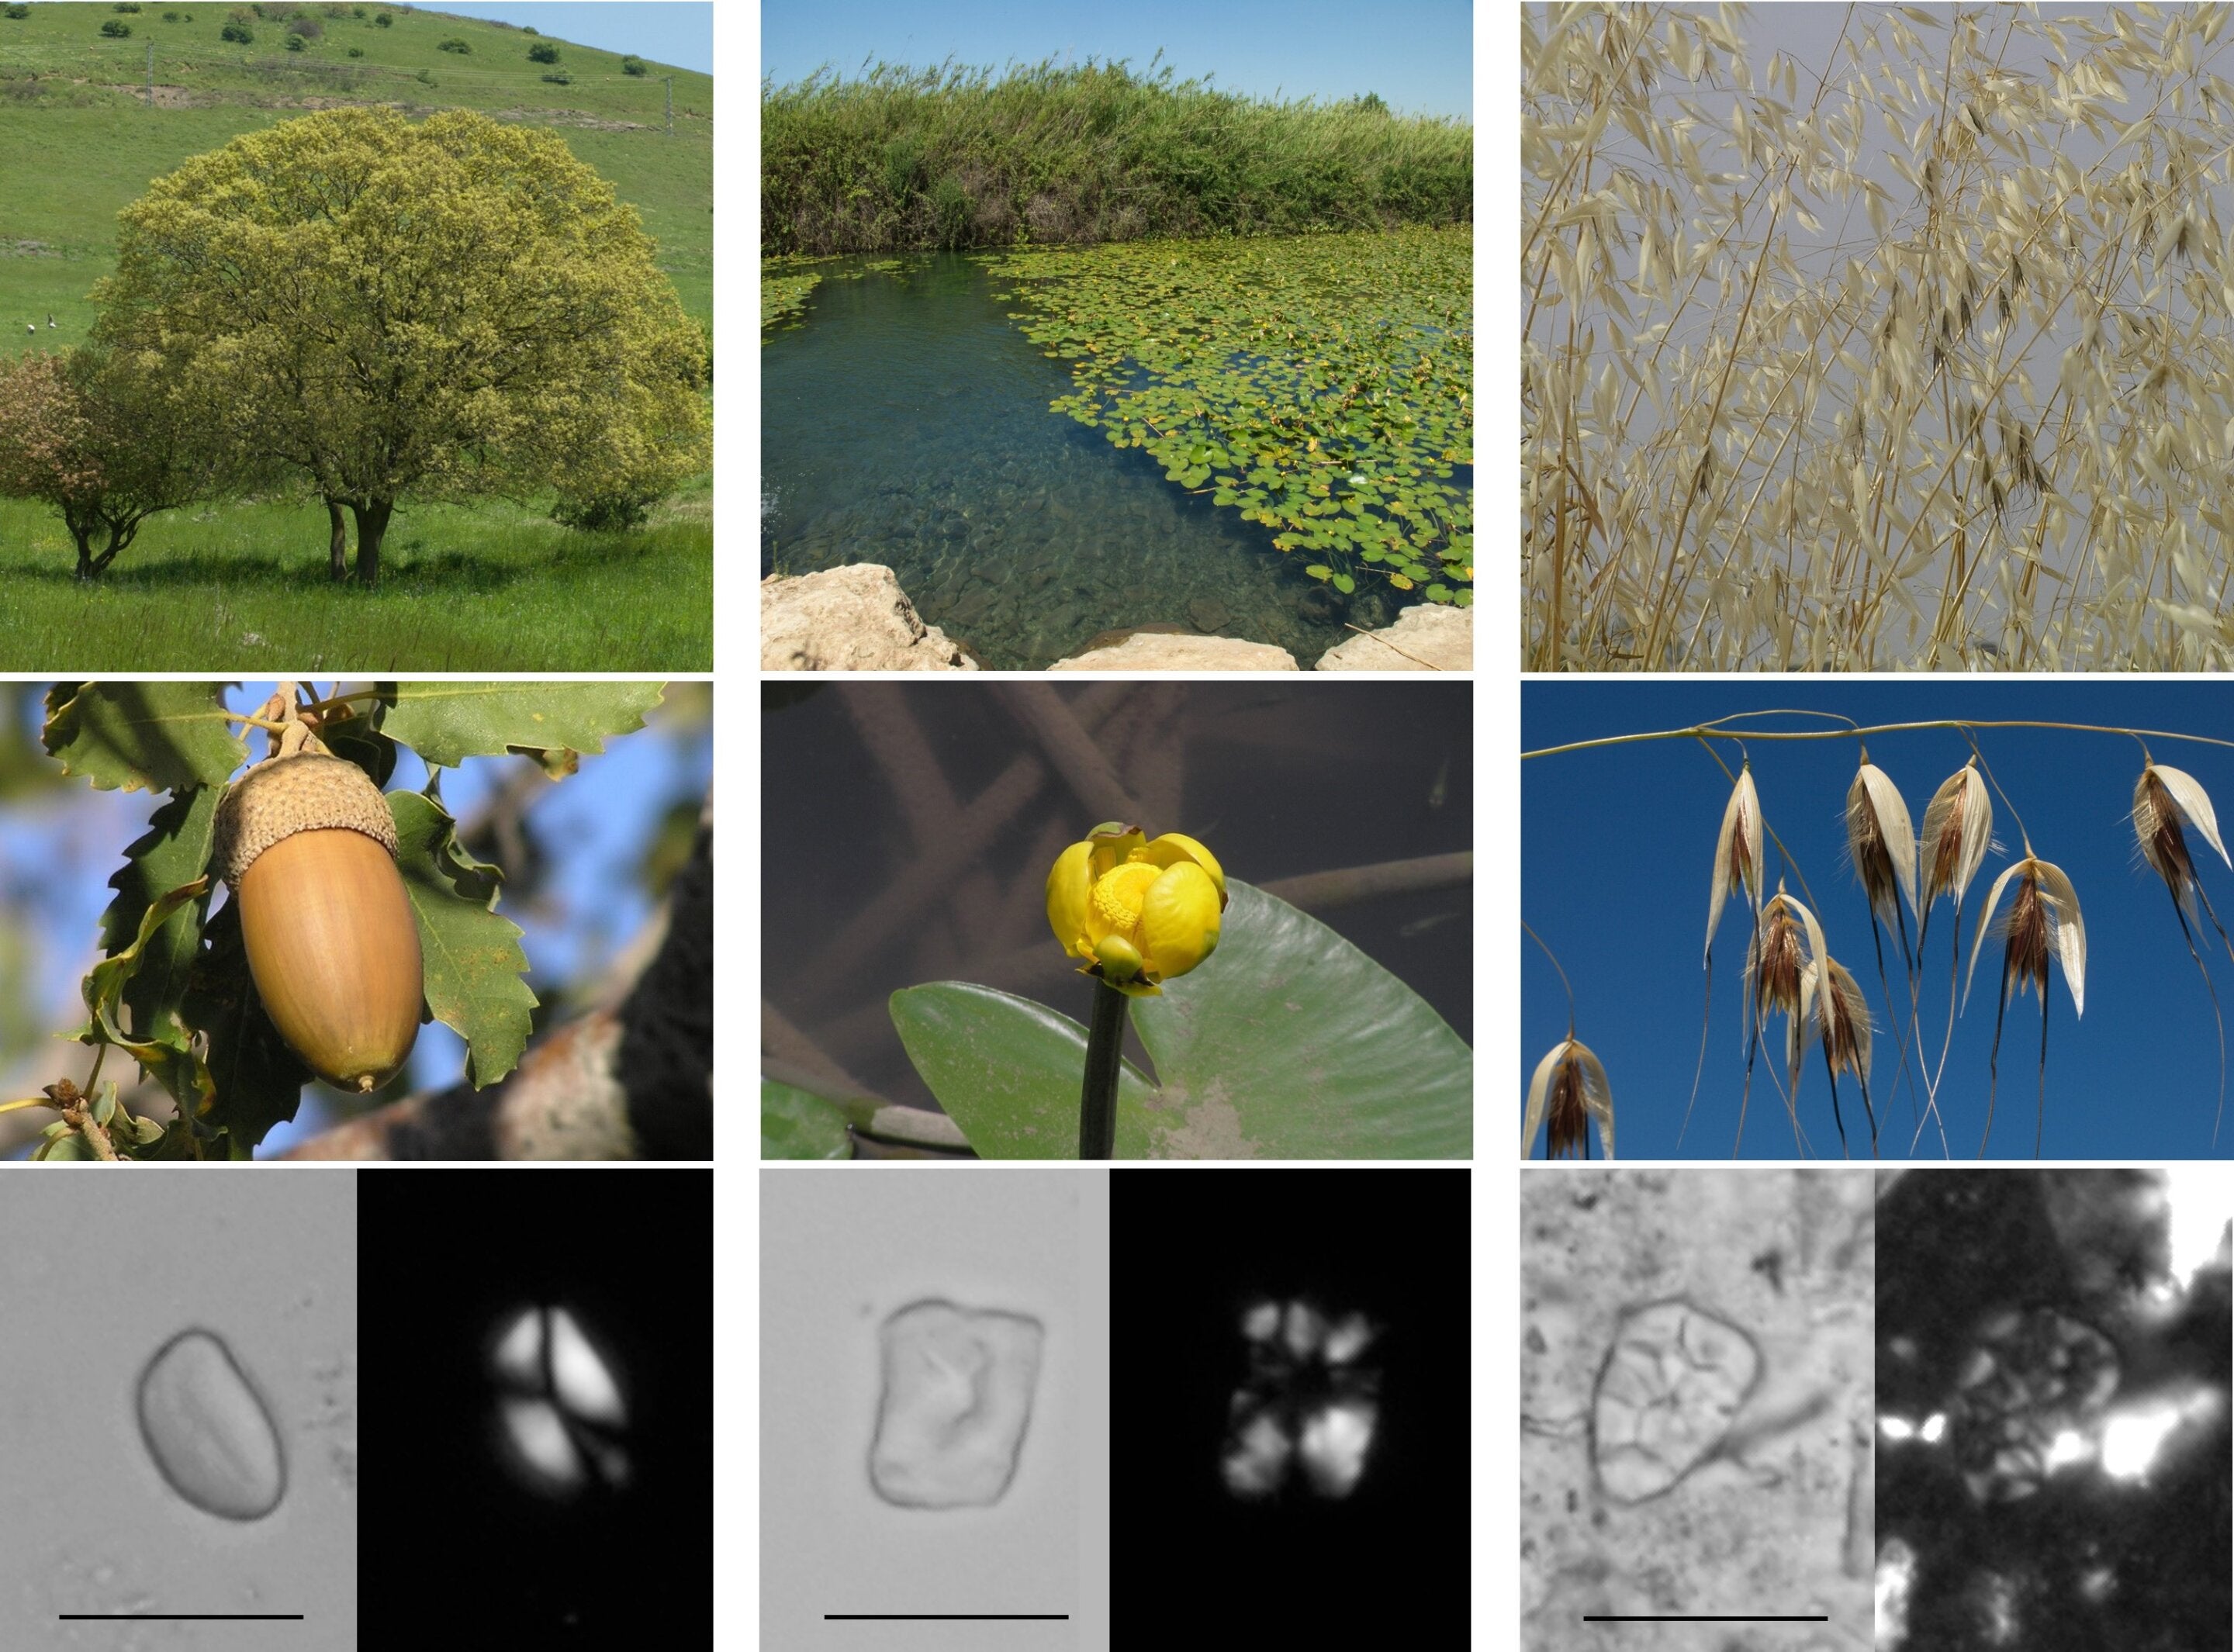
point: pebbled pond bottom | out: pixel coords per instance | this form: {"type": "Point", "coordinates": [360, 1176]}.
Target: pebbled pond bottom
{"type": "Point", "coordinates": [906, 423]}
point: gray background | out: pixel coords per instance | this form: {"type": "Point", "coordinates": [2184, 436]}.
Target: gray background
{"type": "Point", "coordinates": [840, 1251]}
{"type": "Point", "coordinates": [98, 1268]}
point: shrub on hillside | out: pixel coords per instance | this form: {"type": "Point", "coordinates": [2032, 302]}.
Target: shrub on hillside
{"type": "Point", "coordinates": [309, 27]}
{"type": "Point", "coordinates": [453, 44]}
{"type": "Point", "coordinates": [385, 19]}
{"type": "Point", "coordinates": [116, 29]}
{"type": "Point", "coordinates": [19, 11]}
{"type": "Point", "coordinates": [124, 5]}
{"type": "Point", "coordinates": [239, 33]}
{"type": "Point", "coordinates": [604, 513]}
{"type": "Point", "coordinates": [543, 52]}
{"type": "Point", "coordinates": [425, 77]}
{"type": "Point", "coordinates": [632, 64]}
{"type": "Point", "coordinates": [356, 51]}
{"type": "Point", "coordinates": [559, 77]}
{"type": "Point", "coordinates": [295, 43]}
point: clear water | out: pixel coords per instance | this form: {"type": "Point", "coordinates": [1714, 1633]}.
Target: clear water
{"type": "Point", "coordinates": [906, 423]}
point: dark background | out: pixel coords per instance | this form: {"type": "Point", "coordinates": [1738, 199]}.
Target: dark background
{"type": "Point", "coordinates": [453, 1549]}
{"type": "Point", "coordinates": [1390, 1562]}
{"type": "Point", "coordinates": [1953, 1246]}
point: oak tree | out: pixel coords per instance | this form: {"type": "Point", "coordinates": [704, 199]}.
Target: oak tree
{"type": "Point", "coordinates": [430, 310]}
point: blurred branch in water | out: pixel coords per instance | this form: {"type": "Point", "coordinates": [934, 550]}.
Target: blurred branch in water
{"type": "Point", "coordinates": [931, 876]}
{"type": "Point", "coordinates": [1320, 891]}
{"type": "Point", "coordinates": [1070, 747]}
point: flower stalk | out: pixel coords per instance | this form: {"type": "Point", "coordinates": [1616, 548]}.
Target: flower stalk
{"type": "Point", "coordinates": [1105, 1058]}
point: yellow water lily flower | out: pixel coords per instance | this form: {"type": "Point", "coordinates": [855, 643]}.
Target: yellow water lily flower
{"type": "Point", "coordinates": [1138, 913]}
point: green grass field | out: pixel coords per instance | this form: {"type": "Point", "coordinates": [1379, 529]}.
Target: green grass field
{"type": "Point", "coordinates": [490, 587]}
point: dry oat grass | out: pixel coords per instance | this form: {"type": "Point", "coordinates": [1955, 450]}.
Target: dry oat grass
{"type": "Point", "coordinates": [1925, 363]}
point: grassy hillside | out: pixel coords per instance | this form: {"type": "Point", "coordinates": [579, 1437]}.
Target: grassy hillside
{"type": "Point", "coordinates": [903, 158]}
{"type": "Point", "coordinates": [81, 142]}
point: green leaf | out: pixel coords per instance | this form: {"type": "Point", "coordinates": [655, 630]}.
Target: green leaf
{"type": "Point", "coordinates": [1319, 571]}
{"type": "Point", "coordinates": [173, 853]}
{"type": "Point", "coordinates": [1344, 584]}
{"type": "Point", "coordinates": [105, 982]}
{"type": "Point", "coordinates": [470, 954]}
{"type": "Point", "coordinates": [1009, 1071]}
{"type": "Point", "coordinates": [794, 1125]}
{"type": "Point", "coordinates": [143, 736]}
{"type": "Point", "coordinates": [448, 722]}
{"type": "Point", "coordinates": [1289, 1042]}
{"type": "Point", "coordinates": [254, 1080]}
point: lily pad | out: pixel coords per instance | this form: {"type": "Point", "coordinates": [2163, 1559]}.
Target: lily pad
{"type": "Point", "coordinates": [1008, 1070]}
{"type": "Point", "coordinates": [1288, 1044]}
{"type": "Point", "coordinates": [794, 1125]}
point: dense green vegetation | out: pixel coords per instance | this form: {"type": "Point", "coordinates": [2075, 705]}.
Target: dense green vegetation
{"type": "Point", "coordinates": [243, 586]}
{"type": "Point", "coordinates": [906, 160]}
{"type": "Point", "coordinates": [1322, 385]}
{"type": "Point", "coordinates": [75, 111]}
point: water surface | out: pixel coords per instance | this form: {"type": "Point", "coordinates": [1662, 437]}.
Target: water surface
{"type": "Point", "coordinates": [906, 423]}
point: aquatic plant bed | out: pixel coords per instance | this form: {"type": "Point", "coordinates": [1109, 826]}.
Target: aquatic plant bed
{"type": "Point", "coordinates": [907, 420]}
{"type": "Point", "coordinates": [1323, 385]}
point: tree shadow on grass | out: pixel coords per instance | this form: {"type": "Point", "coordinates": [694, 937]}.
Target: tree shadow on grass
{"type": "Point", "coordinates": [407, 571]}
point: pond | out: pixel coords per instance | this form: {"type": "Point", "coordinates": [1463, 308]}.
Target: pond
{"type": "Point", "coordinates": [906, 420]}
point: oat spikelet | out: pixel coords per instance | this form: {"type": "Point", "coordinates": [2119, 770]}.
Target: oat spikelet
{"type": "Point", "coordinates": [1787, 940]}
{"type": "Point", "coordinates": [1881, 841]}
{"type": "Point", "coordinates": [1958, 829]}
{"type": "Point", "coordinates": [1570, 1084]}
{"type": "Point", "coordinates": [1737, 851]}
{"type": "Point", "coordinates": [2166, 801]}
{"type": "Point", "coordinates": [1834, 1011]}
{"type": "Point", "coordinates": [2044, 924]}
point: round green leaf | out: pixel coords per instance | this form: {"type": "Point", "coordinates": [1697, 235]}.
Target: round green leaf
{"type": "Point", "coordinates": [1008, 1070]}
{"type": "Point", "coordinates": [794, 1125]}
{"type": "Point", "coordinates": [1291, 1044]}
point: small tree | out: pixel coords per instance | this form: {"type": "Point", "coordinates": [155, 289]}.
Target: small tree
{"type": "Point", "coordinates": [543, 52]}
{"type": "Point", "coordinates": [103, 437]}
{"type": "Point", "coordinates": [453, 308]}
{"type": "Point", "coordinates": [632, 64]}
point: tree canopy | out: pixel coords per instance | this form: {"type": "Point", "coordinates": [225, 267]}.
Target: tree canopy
{"type": "Point", "coordinates": [400, 310]}
{"type": "Point", "coordinates": [106, 438]}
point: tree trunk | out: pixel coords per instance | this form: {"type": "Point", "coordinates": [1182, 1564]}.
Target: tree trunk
{"type": "Point", "coordinates": [88, 569]}
{"type": "Point", "coordinates": [371, 529]}
{"type": "Point", "coordinates": [337, 540]}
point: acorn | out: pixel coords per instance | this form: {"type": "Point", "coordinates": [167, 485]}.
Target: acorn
{"type": "Point", "coordinates": [308, 847]}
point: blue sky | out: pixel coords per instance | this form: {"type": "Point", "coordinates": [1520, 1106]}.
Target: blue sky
{"type": "Point", "coordinates": [1616, 849]}
{"type": "Point", "coordinates": [672, 32]}
{"type": "Point", "coordinates": [1417, 55]}
{"type": "Point", "coordinates": [593, 826]}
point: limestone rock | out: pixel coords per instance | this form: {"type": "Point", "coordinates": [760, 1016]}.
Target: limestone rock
{"type": "Point", "coordinates": [1153, 649]}
{"type": "Point", "coordinates": [1427, 636]}
{"type": "Point", "coordinates": [854, 618]}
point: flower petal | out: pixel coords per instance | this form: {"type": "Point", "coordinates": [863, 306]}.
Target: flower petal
{"type": "Point", "coordinates": [1069, 893]}
{"type": "Point", "coordinates": [1113, 843]}
{"type": "Point", "coordinates": [1174, 847]}
{"type": "Point", "coordinates": [2195, 803]}
{"type": "Point", "coordinates": [1178, 920]}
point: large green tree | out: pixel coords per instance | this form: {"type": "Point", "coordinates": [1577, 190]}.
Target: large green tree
{"type": "Point", "coordinates": [423, 309]}
{"type": "Point", "coordinates": [108, 438]}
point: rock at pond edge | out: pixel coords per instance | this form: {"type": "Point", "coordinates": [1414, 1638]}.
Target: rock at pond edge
{"type": "Point", "coordinates": [1427, 636]}
{"type": "Point", "coordinates": [854, 618]}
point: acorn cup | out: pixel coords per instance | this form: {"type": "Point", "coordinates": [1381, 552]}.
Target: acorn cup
{"type": "Point", "coordinates": [308, 847]}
